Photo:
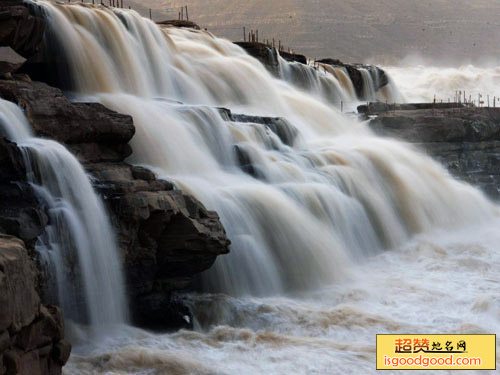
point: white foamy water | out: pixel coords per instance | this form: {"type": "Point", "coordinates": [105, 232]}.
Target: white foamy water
{"type": "Point", "coordinates": [78, 247]}
{"type": "Point", "coordinates": [307, 284]}
{"type": "Point", "coordinates": [437, 283]}
{"type": "Point", "coordinates": [419, 83]}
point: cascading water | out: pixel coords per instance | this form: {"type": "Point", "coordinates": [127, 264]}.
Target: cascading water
{"type": "Point", "coordinates": [349, 192]}
{"type": "Point", "coordinates": [368, 84]}
{"type": "Point", "coordinates": [318, 81]}
{"type": "Point", "coordinates": [305, 210]}
{"type": "Point", "coordinates": [78, 247]}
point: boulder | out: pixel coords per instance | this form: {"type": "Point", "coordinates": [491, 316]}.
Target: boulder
{"type": "Point", "coordinates": [167, 237]}
{"type": "Point", "coordinates": [10, 61]}
{"type": "Point", "coordinates": [19, 29]}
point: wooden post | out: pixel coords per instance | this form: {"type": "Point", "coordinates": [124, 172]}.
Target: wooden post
{"type": "Point", "coordinates": [150, 14]}
{"type": "Point", "coordinates": [187, 14]}
{"type": "Point", "coordinates": [182, 13]}
{"type": "Point", "coordinates": [274, 45]}
{"type": "Point", "coordinates": [122, 4]}
{"type": "Point", "coordinates": [244, 34]}
{"type": "Point", "coordinates": [257, 36]}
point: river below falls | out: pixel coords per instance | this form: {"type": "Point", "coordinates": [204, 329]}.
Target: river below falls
{"type": "Point", "coordinates": [437, 283]}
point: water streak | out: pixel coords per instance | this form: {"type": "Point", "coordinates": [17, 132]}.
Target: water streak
{"type": "Point", "coordinates": [78, 246]}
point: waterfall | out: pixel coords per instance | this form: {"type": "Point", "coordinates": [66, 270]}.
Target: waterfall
{"type": "Point", "coordinates": [368, 85]}
{"type": "Point", "coordinates": [78, 246]}
{"type": "Point", "coordinates": [298, 213]}
{"type": "Point", "coordinates": [319, 81]}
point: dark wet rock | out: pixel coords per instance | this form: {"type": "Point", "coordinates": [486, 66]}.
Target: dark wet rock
{"type": "Point", "coordinates": [179, 23]}
{"type": "Point", "coordinates": [20, 214]}
{"type": "Point", "coordinates": [29, 331]}
{"type": "Point", "coordinates": [268, 56]}
{"type": "Point", "coordinates": [293, 57]}
{"type": "Point", "coordinates": [19, 29]}
{"type": "Point", "coordinates": [465, 140]}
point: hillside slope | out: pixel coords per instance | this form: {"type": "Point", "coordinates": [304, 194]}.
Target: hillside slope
{"type": "Point", "coordinates": [383, 31]}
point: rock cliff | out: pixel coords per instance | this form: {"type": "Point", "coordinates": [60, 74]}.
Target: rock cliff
{"type": "Point", "coordinates": [464, 140]}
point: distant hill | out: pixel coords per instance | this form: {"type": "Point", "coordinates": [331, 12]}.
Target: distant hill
{"type": "Point", "coordinates": [380, 31]}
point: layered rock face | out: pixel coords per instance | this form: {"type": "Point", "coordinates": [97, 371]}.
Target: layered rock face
{"type": "Point", "coordinates": [167, 237]}
{"type": "Point", "coordinates": [464, 140]}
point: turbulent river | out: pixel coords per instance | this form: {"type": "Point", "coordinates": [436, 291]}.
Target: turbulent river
{"type": "Point", "coordinates": [340, 234]}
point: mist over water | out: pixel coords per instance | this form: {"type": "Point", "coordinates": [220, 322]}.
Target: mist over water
{"type": "Point", "coordinates": [338, 235]}
{"type": "Point", "coordinates": [419, 83]}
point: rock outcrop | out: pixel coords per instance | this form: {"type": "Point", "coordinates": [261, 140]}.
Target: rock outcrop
{"type": "Point", "coordinates": [31, 334]}
{"type": "Point", "coordinates": [91, 131]}
{"type": "Point", "coordinates": [465, 140]}
{"type": "Point", "coordinates": [268, 56]}
{"type": "Point", "coordinates": [167, 236]}
{"type": "Point", "coordinates": [19, 29]}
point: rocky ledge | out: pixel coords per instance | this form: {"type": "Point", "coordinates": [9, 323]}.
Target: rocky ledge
{"type": "Point", "coordinates": [167, 237]}
{"type": "Point", "coordinates": [464, 140]}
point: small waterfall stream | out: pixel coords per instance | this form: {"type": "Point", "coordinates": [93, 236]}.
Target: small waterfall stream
{"type": "Point", "coordinates": [78, 246]}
